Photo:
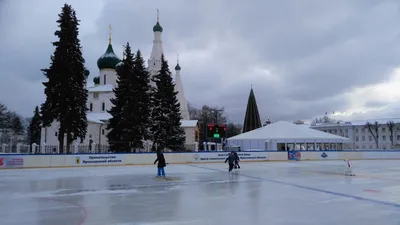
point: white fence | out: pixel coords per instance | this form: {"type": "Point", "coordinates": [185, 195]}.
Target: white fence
{"type": "Point", "coordinates": [54, 149]}
{"type": "Point", "coordinates": [51, 149]}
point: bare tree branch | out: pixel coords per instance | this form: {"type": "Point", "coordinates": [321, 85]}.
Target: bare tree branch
{"type": "Point", "coordinates": [391, 126]}
{"type": "Point", "coordinates": [373, 129]}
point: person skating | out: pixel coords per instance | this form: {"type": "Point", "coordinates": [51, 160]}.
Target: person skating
{"type": "Point", "coordinates": [161, 164]}
{"type": "Point", "coordinates": [231, 160]}
{"type": "Point", "coordinates": [237, 159]}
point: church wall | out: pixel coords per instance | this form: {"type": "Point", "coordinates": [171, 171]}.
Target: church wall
{"type": "Point", "coordinates": [108, 76]}
{"type": "Point", "coordinates": [189, 135]}
{"type": "Point", "coordinates": [97, 132]}
{"type": "Point", "coordinates": [103, 97]}
{"type": "Point", "coordinates": [49, 135]}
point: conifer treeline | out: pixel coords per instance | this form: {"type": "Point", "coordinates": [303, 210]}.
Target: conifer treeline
{"type": "Point", "coordinates": [140, 112]}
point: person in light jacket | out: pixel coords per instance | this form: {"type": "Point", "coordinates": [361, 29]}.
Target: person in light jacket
{"type": "Point", "coordinates": [161, 164]}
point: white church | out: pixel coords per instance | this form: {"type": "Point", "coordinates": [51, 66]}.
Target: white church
{"type": "Point", "coordinates": [102, 92]}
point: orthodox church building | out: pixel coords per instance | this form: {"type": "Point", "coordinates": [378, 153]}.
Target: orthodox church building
{"type": "Point", "coordinates": [100, 95]}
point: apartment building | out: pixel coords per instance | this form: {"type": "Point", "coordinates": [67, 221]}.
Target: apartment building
{"type": "Point", "coordinates": [360, 136]}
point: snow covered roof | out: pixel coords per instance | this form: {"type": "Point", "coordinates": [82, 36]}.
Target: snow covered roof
{"type": "Point", "coordinates": [98, 117]}
{"type": "Point", "coordinates": [283, 130]}
{"type": "Point", "coordinates": [101, 88]}
{"type": "Point", "coordinates": [102, 117]}
{"type": "Point", "coordinates": [357, 122]}
{"type": "Point", "coordinates": [189, 123]}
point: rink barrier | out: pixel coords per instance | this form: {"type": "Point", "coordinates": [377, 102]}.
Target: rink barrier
{"type": "Point", "coordinates": [12, 161]}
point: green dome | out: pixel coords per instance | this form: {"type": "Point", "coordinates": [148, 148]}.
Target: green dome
{"type": "Point", "coordinates": [108, 60]}
{"type": "Point", "coordinates": [177, 67]}
{"type": "Point", "coordinates": [157, 27]}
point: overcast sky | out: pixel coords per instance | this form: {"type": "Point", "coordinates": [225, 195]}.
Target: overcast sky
{"type": "Point", "coordinates": [303, 58]}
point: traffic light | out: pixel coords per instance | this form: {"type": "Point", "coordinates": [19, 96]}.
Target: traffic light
{"type": "Point", "coordinates": [216, 130]}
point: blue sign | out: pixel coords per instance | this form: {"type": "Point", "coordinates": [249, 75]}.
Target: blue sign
{"type": "Point", "coordinates": [324, 155]}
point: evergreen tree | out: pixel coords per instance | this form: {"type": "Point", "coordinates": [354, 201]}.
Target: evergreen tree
{"type": "Point", "coordinates": [138, 105]}
{"type": "Point", "coordinates": [252, 118]}
{"type": "Point", "coordinates": [65, 90]}
{"type": "Point", "coordinates": [34, 127]}
{"type": "Point", "coordinates": [167, 132]}
{"type": "Point", "coordinates": [119, 125]}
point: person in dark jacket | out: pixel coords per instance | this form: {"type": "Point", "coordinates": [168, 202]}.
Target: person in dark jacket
{"type": "Point", "coordinates": [231, 160]}
{"type": "Point", "coordinates": [161, 164]}
{"type": "Point", "coordinates": [237, 159]}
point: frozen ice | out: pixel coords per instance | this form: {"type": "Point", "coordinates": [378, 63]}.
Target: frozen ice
{"type": "Point", "coordinates": [279, 193]}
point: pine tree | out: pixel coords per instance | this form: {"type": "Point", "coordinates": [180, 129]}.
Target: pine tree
{"type": "Point", "coordinates": [138, 105]}
{"type": "Point", "coordinates": [65, 90]}
{"type": "Point", "coordinates": [34, 127]}
{"type": "Point", "coordinates": [119, 125]}
{"type": "Point", "coordinates": [167, 132]}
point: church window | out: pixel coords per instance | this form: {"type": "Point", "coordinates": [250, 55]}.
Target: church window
{"type": "Point", "coordinates": [105, 79]}
{"type": "Point", "coordinates": [102, 131]}
{"type": "Point", "coordinates": [91, 107]}
{"type": "Point", "coordinates": [56, 134]}
{"type": "Point", "coordinates": [103, 106]}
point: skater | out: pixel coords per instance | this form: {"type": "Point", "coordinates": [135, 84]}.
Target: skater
{"type": "Point", "coordinates": [231, 160]}
{"type": "Point", "coordinates": [237, 159]}
{"type": "Point", "coordinates": [161, 164]}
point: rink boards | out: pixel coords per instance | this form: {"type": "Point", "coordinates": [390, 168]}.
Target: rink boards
{"type": "Point", "coordinates": [81, 160]}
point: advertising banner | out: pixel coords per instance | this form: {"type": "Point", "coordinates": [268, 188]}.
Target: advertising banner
{"type": "Point", "coordinates": [221, 156]}
{"type": "Point", "coordinates": [99, 160]}
{"type": "Point", "coordinates": [10, 161]}
{"type": "Point", "coordinates": [294, 155]}
{"type": "Point", "coordinates": [328, 155]}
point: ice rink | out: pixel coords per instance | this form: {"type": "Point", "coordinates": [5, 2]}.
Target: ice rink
{"type": "Point", "coordinates": [276, 193]}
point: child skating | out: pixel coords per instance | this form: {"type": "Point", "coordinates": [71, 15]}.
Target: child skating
{"type": "Point", "coordinates": [237, 160]}
{"type": "Point", "coordinates": [231, 161]}
{"type": "Point", "coordinates": [161, 164]}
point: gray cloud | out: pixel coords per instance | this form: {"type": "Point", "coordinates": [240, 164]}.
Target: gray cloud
{"type": "Point", "coordinates": [300, 56]}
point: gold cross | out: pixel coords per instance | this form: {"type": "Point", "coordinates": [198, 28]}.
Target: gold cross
{"type": "Point", "coordinates": [110, 30]}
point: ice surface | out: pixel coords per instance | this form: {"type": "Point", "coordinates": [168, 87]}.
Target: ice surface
{"type": "Point", "coordinates": [278, 193]}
